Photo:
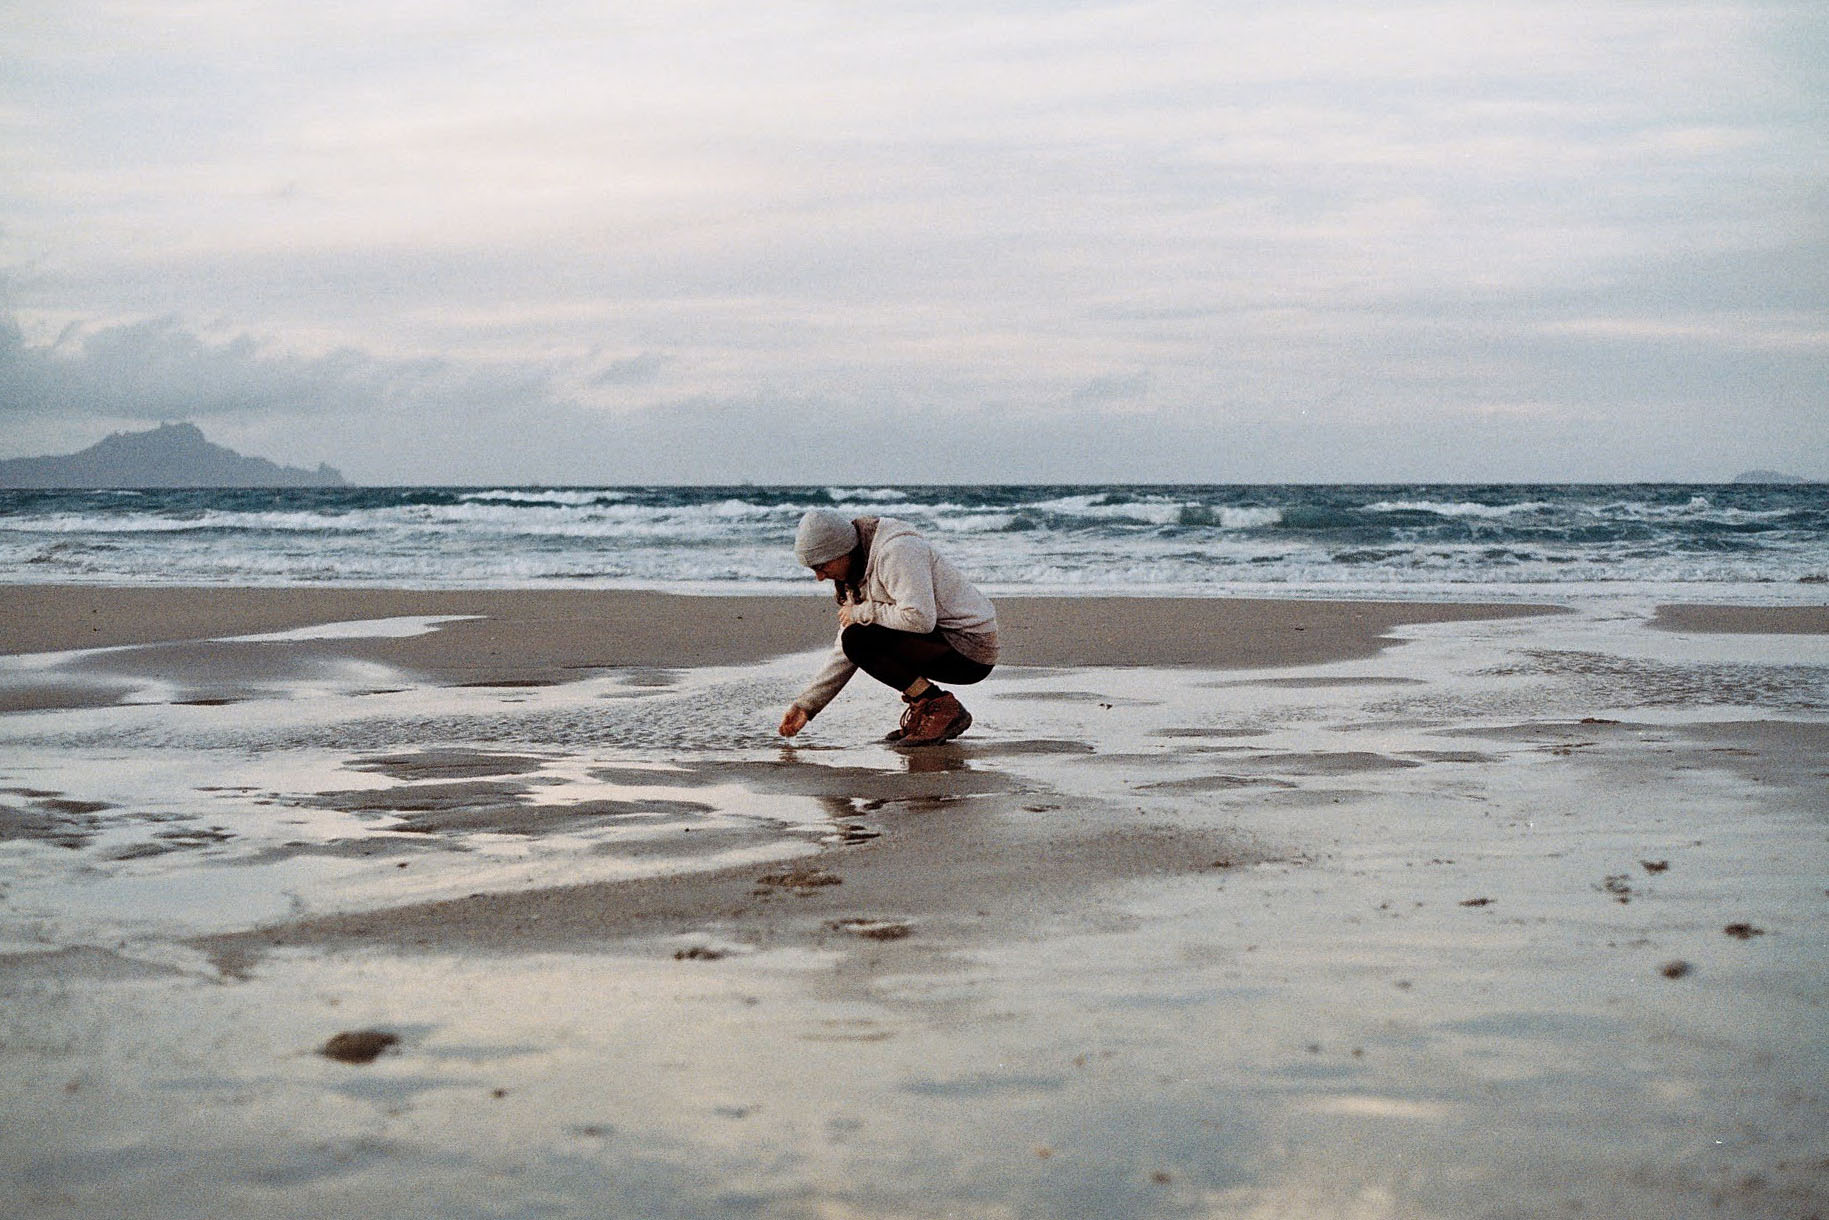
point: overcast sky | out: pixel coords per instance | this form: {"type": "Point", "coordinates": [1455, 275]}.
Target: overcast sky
{"type": "Point", "coordinates": [603, 241]}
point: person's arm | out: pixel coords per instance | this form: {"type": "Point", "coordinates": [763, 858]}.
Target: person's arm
{"type": "Point", "coordinates": [824, 687]}
{"type": "Point", "coordinates": [906, 571]}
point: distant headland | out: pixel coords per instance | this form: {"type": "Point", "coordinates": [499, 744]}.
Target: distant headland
{"type": "Point", "coordinates": [171, 455]}
{"type": "Point", "coordinates": [1770, 476]}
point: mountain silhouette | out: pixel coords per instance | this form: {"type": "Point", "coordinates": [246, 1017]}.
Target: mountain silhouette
{"type": "Point", "coordinates": [171, 455]}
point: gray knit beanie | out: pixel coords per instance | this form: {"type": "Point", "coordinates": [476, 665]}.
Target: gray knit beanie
{"type": "Point", "coordinates": [823, 536]}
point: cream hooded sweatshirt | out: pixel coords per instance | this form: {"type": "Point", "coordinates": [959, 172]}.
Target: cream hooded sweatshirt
{"type": "Point", "coordinates": [908, 586]}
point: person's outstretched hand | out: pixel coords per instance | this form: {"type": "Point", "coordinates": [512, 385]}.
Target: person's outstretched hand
{"type": "Point", "coordinates": [795, 720]}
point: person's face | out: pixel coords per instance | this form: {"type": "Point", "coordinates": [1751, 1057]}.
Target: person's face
{"type": "Point", "coordinates": [834, 569]}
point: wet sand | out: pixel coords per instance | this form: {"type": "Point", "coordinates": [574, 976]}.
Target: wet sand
{"type": "Point", "coordinates": [1273, 909]}
{"type": "Point", "coordinates": [552, 634]}
{"type": "Point", "coordinates": [1744, 620]}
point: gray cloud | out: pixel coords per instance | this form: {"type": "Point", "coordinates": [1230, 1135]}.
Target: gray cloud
{"type": "Point", "coordinates": [1248, 239]}
{"type": "Point", "coordinates": [635, 370]}
{"type": "Point", "coordinates": [158, 370]}
{"type": "Point", "coordinates": [1396, 411]}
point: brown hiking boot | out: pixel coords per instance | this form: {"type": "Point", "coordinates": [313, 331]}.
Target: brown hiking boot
{"type": "Point", "coordinates": [910, 714]}
{"type": "Point", "coordinates": [938, 719]}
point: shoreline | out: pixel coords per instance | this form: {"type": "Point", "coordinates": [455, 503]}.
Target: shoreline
{"type": "Point", "coordinates": [217, 643]}
{"type": "Point", "coordinates": [567, 627]}
{"type": "Point", "coordinates": [590, 628]}
{"type": "Point", "coordinates": [546, 636]}
{"type": "Point", "coordinates": [1537, 896]}
{"type": "Point", "coordinates": [542, 637]}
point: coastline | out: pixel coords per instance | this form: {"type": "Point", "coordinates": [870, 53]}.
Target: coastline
{"type": "Point", "coordinates": [550, 630]}
{"type": "Point", "coordinates": [563, 629]}
{"type": "Point", "coordinates": [1489, 902]}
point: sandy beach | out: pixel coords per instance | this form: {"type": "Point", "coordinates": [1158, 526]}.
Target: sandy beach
{"type": "Point", "coordinates": [1224, 908]}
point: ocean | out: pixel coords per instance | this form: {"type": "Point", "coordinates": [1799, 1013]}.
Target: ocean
{"type": "Point", "coordinates": [1739, 543]}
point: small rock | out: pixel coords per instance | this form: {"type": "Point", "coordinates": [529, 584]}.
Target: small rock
{"type": "Point", "coordinates": [1654, 866]}
{"type": "Point", "coordinates": [1743, 931]}
{"type": "Point", "coordinates": [873, 929]}
{"type": "Point", "coordinates": [698, 953]}
{"type": "Point", "coordinates": [1674, 970]}
{"type": "Point", "coordinates": [800, 880]}
{"type": "Point", "coordinates": [1476, 902]}
{"type": "Point", "coordinates": [358, 1046]}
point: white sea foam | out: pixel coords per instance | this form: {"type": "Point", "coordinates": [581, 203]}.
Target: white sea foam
{"type": "Point", "coordinates": [974, 523]}
{"type": "Point", "coordinates": [1766, 545]}
{"type": "Point", "coordinates": [1249, 518]}
{"type": "Point", "coordinates": [1154, 511]}
{"type": "Point", "coordinates": [865, 495]}
{"type": "Point", "coordinates": [1459, 509]}
{"type": "Point", "coordinates": [522, 496]}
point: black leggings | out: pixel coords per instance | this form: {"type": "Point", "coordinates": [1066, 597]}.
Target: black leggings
{"type": "Point", "coordinates": [897, 658]}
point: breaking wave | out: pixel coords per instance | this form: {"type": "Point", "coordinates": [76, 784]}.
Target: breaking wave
{"type": "Point", "coordinates": [1758, 543]}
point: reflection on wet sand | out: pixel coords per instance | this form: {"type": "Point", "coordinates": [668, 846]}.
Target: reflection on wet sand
{"type": "Point", "coordinates": [1146, 943]}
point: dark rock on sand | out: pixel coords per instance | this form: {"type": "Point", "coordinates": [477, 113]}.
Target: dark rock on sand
{"type": "Point", "coordinates": [873, 929]}
{"type": "Point", "coordinates": [799, 880]}
{"type": "Point", "coordinates": [358, 1046]}
{"type": "Point", "coordinates": [698, 953]}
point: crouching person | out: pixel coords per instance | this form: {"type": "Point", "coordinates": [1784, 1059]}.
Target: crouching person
{"type": "Point", "coordinates": [906, 617]}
